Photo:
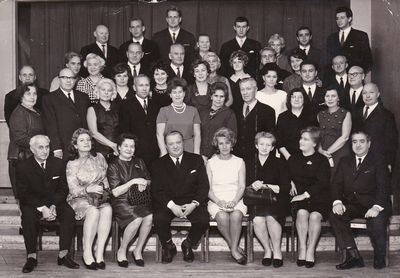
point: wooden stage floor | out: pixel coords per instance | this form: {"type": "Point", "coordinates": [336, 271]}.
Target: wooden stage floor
{"type": "Point", "coordinates": [220, 265]}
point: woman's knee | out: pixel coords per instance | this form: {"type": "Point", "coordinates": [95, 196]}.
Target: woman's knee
{"type": "Point", "coordinates": [315, 217]}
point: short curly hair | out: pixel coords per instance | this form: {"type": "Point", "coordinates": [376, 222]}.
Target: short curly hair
{"type": "Point", "coordinates": [315, 134]}
{"type": "Point", "coordinates": [197, 63]}
{"type": "Point", "coordinates": [241, 55]}
{"type": "Point", "coordinates": [23, 88]}
{"type": "Point", "coordinates": [175, 83]}
{"type": "Point", "coordinates": [210, 55]}
{"type": "Point", "coordinates": [102, 62]}
{"type": "Point", "coordinates": [224, 132]}
{"type": "Point", "coordinates": [100, 83]}
{"type": "Point", "coordinates": [267, 135]}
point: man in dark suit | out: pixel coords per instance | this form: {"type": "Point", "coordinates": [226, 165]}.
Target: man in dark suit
{"type": "Point", "coordinates": [64, 111]}
{"type": "Point", "coordinates": [135, 62]}
{"type": "Point", "coordinates": [352, 98]}
{"type": "Point", "coordinates": [26, 75]}
{"type": "Point", "coordinates": [352, 43]}
{"type": "Point", "coordinates": [359, 190]}
{"type": "Point", "coordinates": [379, 123]}
{"type": "Point", "coordinates": [253, 117]}
{"type": "Point", "coordinates": [138, 116]}
{"type": "Point", "coordinates": [240, 42]}
{"type": "Point", "coordinates": [102, 48]}
{"type": "Point", "coordinates": [43, 189]}
{"type": "Point", "coordinates": [338, 78]}
{"type": "Point", "coordinates": [177, 68]}
{"type": "Point", "coordinates": [304, 37]}
{"type": "Point", "coordinates": [149, 48]}
{"type": "Point", "coordinates": [316, 94]}
{"type": "Point", "coordinates": [180, 189]}
{"type": "Point", "coordinates": [174, 34]}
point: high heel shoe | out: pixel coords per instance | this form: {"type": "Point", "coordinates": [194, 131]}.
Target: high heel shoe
{"type": "Point", "coordinates": [138, 262]}
{"type": "Point", "coordinates": [123, 263]}
{"type": "Point", "coordinates": [277, 263]}
{"type": "Point", "coordinates": [242, 260]}
{"type": "Point", "coordinates": [301, 262]}
{"type": "Point", "coordinates": [91, 266]}
{"type": "Point", "coordinates": [309, 264]}
{"type": "Point", "coordinates": [266, 261]}
{"type": "Point", "coordinates": [101, 265]}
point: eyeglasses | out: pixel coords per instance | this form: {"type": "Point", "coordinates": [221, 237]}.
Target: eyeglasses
{"type": "Point", "coordinates": [67, 77]}
{"type": "Point", "coordinates": [355, 74]}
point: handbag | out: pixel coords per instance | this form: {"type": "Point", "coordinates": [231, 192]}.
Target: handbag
{"type": "Point", "coordinates": [264, 197]}
{"type": "Point", "coordinates": [96, 199]}
{"type": "Point", "coordinates": [135, 197]}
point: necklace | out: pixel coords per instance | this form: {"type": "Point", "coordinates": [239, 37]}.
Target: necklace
{"type": "Point", "coordinates": [179, 109]}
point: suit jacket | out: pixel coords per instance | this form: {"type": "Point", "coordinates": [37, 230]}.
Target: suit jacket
{"type": "Point", "coordinates": [366, 186]}
{"type": "Point", "coordinates": [38, 188]}
{"type": "Point", "coordinates": [111, 60]}
{"type": "Point", "coordinates": [346, 101]}
{"type": "Point", "coordinates": [144, 69]}
{"type": "Point", "coordinates": [252, 49]}
{"type": "Point", "coordinates": [314, 56]}
{"type": "Point", "coordinates": [61, 117]}
{"type": "Point", "coordinates": [318, 100]}
{"type": "Point", "coordinates": [356, 48]}
{"type": "Point", "coordinates": [133, 119]}
{"type": "Point", "coordinates": [150, 50]}
{"type": "Point", "coordinates": [260, 118]}
{"type": "Point", "coordinates": [163, 40]}
{"type": "Point", "coordinates": [183, 185]}
{"type": "Point", "coordinates": [381, 126]}
{"type": "Point", "coordinates": [330, 81]}
{"type": "Point", "coordinates": [187, 75]}
{"type": "Point", "coordinates": [11, 101]}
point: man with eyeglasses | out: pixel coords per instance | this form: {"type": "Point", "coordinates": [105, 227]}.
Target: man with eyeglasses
{"type": "Point", "coordinates": [64, 111]}
{"type": "Point", "coordinates": [352, 97]}
{"type": "Point", "coordinates": [26, 75]}
{"type": "Point", "coordinates": [174, 34]}
{"type": "Point", "coordinates": [149, 47]}
{"type": "Point", "coordinates": [240, 42]}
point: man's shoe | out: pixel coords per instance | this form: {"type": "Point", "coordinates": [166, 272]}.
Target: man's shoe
{"type": "Point", "coordinates": [187, 251]}
{"type": "Point", "coordinates": [379, 263]}
{"type": "Point", "coordinates": [30, 265]}
{"type": "Point", "coordinates": [68, 262]}
{"type": "Point", "coordinates": [353, 259]}
{"type": "Point", "coordinates": [168, 252]}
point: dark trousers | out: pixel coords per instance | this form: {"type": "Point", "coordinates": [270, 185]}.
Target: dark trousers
{"type": "Point", "coordinates": [376, 228]}
{"type": "Point", "coordinates": [12, 172]}
{"type": "Point", "coordinates": [30, 226]}
{"type": "Point", "coordinates": [199, 220]}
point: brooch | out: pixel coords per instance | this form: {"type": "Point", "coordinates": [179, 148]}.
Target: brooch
{"type": "Point", "coordinates": [309, 163]}
{"type": "Point", "coordinates": [137, 166]}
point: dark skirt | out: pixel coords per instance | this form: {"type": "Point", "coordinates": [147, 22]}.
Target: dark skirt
{"type": "Point", "coordinates": [310, 206]}
{"type": "Point", "coordinates": [125, 213]}
{"type": "Point", "coordinates": [267, 211]}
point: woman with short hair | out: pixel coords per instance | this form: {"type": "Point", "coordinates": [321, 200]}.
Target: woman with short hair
{"type": "Point", "coordinates": [94, 65]}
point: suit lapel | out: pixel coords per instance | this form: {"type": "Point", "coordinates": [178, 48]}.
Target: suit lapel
{"type": "Point", "coordinates": [65, 99]}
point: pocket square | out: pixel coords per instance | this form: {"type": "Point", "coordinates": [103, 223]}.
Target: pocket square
{"type": "Point", "coordinates": [186, 44]}
{"type": "Point", "coordinates": [351, 46]}
{"type": "Point", "coordinates": [193, 171]}
{"type": "Point", "coordinates": [251, 51]}
{"type": "Point", "coordinates": [55, 177]}
{"type": "Point", "coordinates": [366, 172]}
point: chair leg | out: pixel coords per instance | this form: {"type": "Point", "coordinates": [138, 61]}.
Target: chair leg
{"type": "Point", "coordinates": [203, 250]}
{"type": "Point", "coordinates": [79, 237]}
{"type": "Point", "coordinates": [250, 239]}
{"type": "Point", "coordinates": [292, 235]}
{"type": "Point", "coordinates": [114, 238]}
{"type": "Point", "coordinates": [158, 249]}
{"type": "Point", "coordinates": [40, 238]}
{"type": "Point", "coordinates": [207, 245]}
{"type": "Point", "coordinates": [387, 245]}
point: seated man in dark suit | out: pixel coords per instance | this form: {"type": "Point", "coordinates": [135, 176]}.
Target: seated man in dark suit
{"type": "Point", "coordinates": [64, 111]}
{"type": "Point", "coordinates": [174, 34]}
{"type": "Point", "coordinates": [253, 117]}
{"type": "Point", "coordinates": [379, 123]}
{"type": "Point", "coordinates": [135, 55]}
{"type": "Point", "coordinates": [240, 42]}
{"type": "Point", "coordinates": [42, 189]}
{"type": "Point", "coordinates": [149, 48]}
{"type": "Point", "coordinates": [26, 75]}
{"type": "Point", "coordinates": [138, 116]}
{"type": "Point", "coordinates": [352, 43]}
{"type": "Point", "coordinates": [338, 78]}
{"type": "Point", "coordinates": [179, 189]}
{"type": "Point", "coordinates": [102, 48]}
{"type": "Point", "coordinates": [359, 190]}
{"type": "Point", "coordinates": [177, 68]}
{"type": "Point", "coordinates": [304, 37]}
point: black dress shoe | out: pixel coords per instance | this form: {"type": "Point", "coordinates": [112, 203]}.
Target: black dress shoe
{"type": "Point", "coordinates": [91, 266]}
{"type": "Point", "coordinates": [351, 262]}
{"type": "Point", "coordinates": [242, 260]}
{"type": "Point", "coordinates": [123, 263]}
{"type": "Point", "coordinates": [138, 262]}
{"type": "Point", "coordinates": [68, 262]}
{"type": "Point", "coordinates": [187, 251]}
{"type": "Point", "coordinates": [168, 252]}
{"type": "Point", "coordinates": [266, 261]}
{"type": "Point", "coordinates": [101, 265]}
{"type": "Point", "coordinates": [277, 263]}
{"type": "Point", "coordinates": [309, 264]}
{"type": "Point", "coordinates": [379, 263]}
{"type": "Point", "coordinates": [301, 262]}
{"type": "Point", "coordinates": [30, 265]}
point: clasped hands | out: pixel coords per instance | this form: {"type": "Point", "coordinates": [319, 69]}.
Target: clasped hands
{"type": "Point", "coordinates": [339, 209]}
{"type": "Point", "coordinates": [49, 213]}
{"type": "Point", "coordinates": [257, 185]}
{"type": "Point", "coordinates": [184, 210]}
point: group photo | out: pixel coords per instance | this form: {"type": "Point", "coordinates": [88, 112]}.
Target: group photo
{"type": "Point", "coordinates": [200, 138]}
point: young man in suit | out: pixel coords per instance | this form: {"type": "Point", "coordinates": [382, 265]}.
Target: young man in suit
{"type": "Point", "coordinates": [379, 123]}
{"type": "Point", "coordinates": [304, 37]}
{"type": "Point", "coordinates": [138, 116]}
{"type": "Point", "coordinates": [102, 48]}
{"type": "Point", "coordinates": [177, 68]}
{"type": "Point", "coordinates": [149, 47]}
{"type": "Point", "coordinates": [253, 117]}
{"type": "Point", "coordinates": [43, 190]}
{"type": "Point", "coordinates": [135, 55]}
{"type": "Point", "coordinates": [338, 78]}
{"type": "Point", "coordinates": [241, 42]}
{"type": "Point", "coordinates": [180, 189]}
{"type": "Point", "coordinates": [174, 34]}
{"type": "Point", "coordinates": [64, 111]}
{"type": "Point", "coordinates": [359, 190]}
{"type": "Point", "coordinates": [350, 42]}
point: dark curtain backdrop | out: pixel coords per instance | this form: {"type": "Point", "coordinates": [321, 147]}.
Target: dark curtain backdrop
{"type": "Point", "coordinates": [49, 29]}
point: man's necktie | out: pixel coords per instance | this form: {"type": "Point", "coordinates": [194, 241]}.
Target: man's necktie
{"type": "Point", "coordinates": [134, 71]}
{"type": "Point", "coordinates": [341, 84]}
{"type": "Point", "coordinates": [103, 46]}
{"type": "Point", "coordinates": [366, 113]}
{"type": "Point", "coordinates": [359, 163]}
{"type": "Point", "coordinates": [342, 39]}
{"type": "Point", "coordinates": [247, 111]}
{"type": "Point", "coordinates": [178, 72]}
{"type": "Point", "coordinates": [145, 106]}
{"type": "Point", "coordinates": [309, 93]}
{"type": "Point", "coordinates": [70, 98]}
{"type": "Point", "coordinates": [353, 98]}
{"type": "Point", "coordinates": [177, 162]}
{"type": "Point", "coordinates": [42, 165]}
{"type": "Point", "coordinates": [173, 37]}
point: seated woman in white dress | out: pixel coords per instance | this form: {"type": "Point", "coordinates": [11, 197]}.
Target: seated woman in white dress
{"type": "Point", "coordinates": [227, 176]}
{"type": "Point", "coordinates": [269, 95]}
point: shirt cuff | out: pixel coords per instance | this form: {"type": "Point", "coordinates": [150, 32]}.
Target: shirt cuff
{"type": "Point", "coordinates": [337, 202]}
{"type": "Point", "coordinates": [59, 150]}
{"type": "Point", "coordinates": [378, 207]}
{"type": "Point", "coordinates": [40, 208]}
{"type": "Point", "coordinates": [196, 203]}
{"type": "Point", "coordinates": [170, 204]}
{"type": "Point", "coordinates": [307, 194]}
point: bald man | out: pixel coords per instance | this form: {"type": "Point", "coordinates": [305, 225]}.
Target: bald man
{"type": "Point", "coordinates": [379, 123]}
{"type": "Point", "coordinates": [352, 98]}
{"type": "Point", "coordinates": [102, 48]}
{"type": "Point", "coordinates": [177, 68]}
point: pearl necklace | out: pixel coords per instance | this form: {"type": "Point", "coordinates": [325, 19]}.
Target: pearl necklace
{"type": "Point", "coordinates": [177, 108]}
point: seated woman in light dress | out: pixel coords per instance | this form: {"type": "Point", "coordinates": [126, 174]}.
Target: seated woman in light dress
{"type": "Point", "coordinates": [226, 191]}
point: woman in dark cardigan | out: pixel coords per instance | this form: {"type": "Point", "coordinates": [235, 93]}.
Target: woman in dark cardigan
{"type": "Point", "coordinates": [268, 171]}
{"type": "Point", "coordinates": [310, 174]}
{"type": "Point", "coordinates": [215, 117]}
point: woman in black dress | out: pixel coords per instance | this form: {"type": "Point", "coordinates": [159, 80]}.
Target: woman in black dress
{"type": "Point", "coordinates": [268, 171]}
{"type": "Point", "coordinates": [310, 174]}
{"type": "Point", "coordinates": [124, 82]}
{"type": "Point", "coordinates": [159, 85]}
{"type": "Point", "coordinates": [198, 93]}
{"type": "Point", "coordinates": [123, 173]}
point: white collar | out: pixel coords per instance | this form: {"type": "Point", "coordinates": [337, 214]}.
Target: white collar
{"type": "Point", "coordinates": [100, 45]}
{"type": "Point", "coordinates": [174, 158]}
{"type": "Point", "coordinates": [306, 48]}
{"type": "Point", "coordinates": [137, 67]}
{"type": "Point", "coordinates": [176, 32]}
{"type": "Point", "coordinates": [345, 31]}
{"type": "Point", "coordinates": [139, 41]}
{"type": "Point", "coordinates": [240, 41]}
{"type": "Point", "coordinates": [141, 100]}
{"type": "Point", "coordinates": [362, 158]}
{"type": "Point", "coordinates": [370, 108]}
{"type": "Point", "coordinates": [175, 68]}
{"type": "Point", "coordinates": [40, 163]}
{"type": "Point", "coordinates": [66, 93]}
{"type": "Point", "coordinates": [312, 86]}
{"type": "Point", "coordinates": [344, 77]}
